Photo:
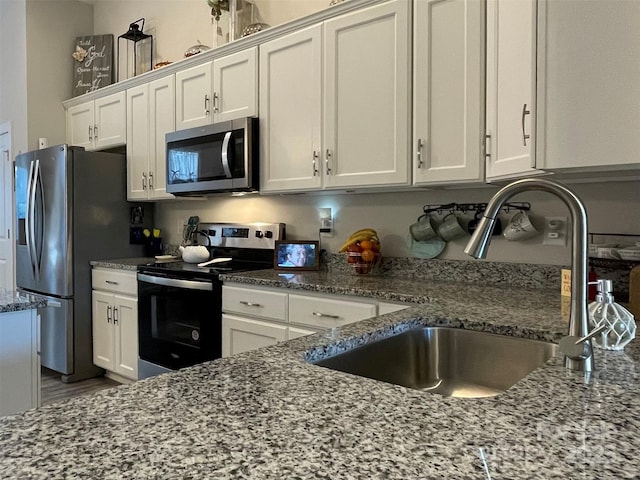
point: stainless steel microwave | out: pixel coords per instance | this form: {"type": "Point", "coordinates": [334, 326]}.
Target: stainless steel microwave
{"type": "Point", "coordinates": [222, 157]}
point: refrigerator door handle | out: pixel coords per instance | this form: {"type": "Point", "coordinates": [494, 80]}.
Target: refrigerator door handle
{"type": "Point", "coordinates": [30, 227]}
{"type": "Point", "coordinates": [37, 185]}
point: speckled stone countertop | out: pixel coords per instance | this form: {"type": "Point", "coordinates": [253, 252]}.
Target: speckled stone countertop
{"type": "Point", "coordinates": [13, 301]}
{"type": "Point", "coordinates": [123, 263]}
{"type": "Point", "coordinates": [269, 414]}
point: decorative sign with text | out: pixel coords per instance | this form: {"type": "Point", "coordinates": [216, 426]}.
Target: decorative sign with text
{"type": "Point", "coordinates": [92, 63]}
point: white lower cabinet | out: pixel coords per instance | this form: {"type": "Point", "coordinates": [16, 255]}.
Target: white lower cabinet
{"type": "Point", "coordinates": [115, 323]}
{"type": "Point", "coordinates": [19, 361]}
{"type": "Point", "coordinates": [255, 317]}
{"type": "Point", "coordinates": [243, 334]}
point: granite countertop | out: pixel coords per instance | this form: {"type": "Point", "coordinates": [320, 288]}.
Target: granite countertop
{"type": "Point", "coordinates": [271, 414]}
{"type": "Point", "coordinates": [123, 263]}
{"type": "Point", "coordinates": [13, 301]}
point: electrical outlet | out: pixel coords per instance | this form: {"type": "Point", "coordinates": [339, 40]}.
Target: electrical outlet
{"type": "Point", "coordinates": [555, 231]}
{"type": "Point", "coordinates": [180, 224]}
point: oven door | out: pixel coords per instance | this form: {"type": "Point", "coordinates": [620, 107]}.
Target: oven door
{"type": "Point", "coordinates": [179, 321]}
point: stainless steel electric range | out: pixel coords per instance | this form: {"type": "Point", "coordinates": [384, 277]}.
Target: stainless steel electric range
{"type": "Point", "coordinates": [180, 304]}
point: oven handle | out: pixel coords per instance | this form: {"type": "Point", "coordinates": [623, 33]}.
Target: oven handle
{"type": "Point", "coordinates": [174, 282]}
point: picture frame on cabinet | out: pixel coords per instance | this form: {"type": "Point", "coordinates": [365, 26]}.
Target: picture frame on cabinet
{"type": "Point", "coordinates": [297, 255]}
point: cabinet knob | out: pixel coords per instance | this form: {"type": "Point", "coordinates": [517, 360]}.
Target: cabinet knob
{"type": "Point", "coordinates": [419, 153]}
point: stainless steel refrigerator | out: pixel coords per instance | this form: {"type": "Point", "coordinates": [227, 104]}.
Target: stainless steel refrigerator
{"type": "Point", "coordinates": [71, 208]}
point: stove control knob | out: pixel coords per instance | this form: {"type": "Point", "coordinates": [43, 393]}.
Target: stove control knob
{"type": "Point", "coordinates": [259, 234]}
{"type": "Point", "coordinates": [268, 234]}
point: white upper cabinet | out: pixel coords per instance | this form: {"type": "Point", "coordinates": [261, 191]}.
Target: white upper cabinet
{"type": "Point", "coordinates": [225, 89]}
{"type": "Point", "coordinates": [588, 78]}
{"type": "Point", "coordinates": [291, 111]}
{"type": "Point", "coordinates": [448, 92]}
{"type": "Point", "coordinates": [150, 116]}
{"type": "Point", "coordinates": [511, 87]}
{"type": "Point", "coordinates": [235, 86]}
{"type": "Point", "coordinates": [354, 131]}
{"type": "Point", "coordinates": [194, 96]}
{"type": "Point", "coordinates": [367, 95]}
{"type": "Point", "coordinates": [98, 124]}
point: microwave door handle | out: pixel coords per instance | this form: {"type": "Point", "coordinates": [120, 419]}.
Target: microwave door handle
{"type": "Point", "coordinates": [225, 154]}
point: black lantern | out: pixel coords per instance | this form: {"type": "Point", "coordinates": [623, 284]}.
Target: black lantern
{"type": "Point", "coordinates": [135, 51]}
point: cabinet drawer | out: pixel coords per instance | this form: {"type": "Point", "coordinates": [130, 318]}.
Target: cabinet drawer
{"type": "Point", "coordinates": [255, 303]}
{"type": "Point", "coordinates": [117, 281]}
{"type": "Point", "coordinates": [327, 312]}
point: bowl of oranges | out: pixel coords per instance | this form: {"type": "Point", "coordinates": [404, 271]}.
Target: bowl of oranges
{"type": "Point", "coordinates": [363, 251]}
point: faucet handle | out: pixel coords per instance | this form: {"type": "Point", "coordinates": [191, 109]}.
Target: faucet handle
{"type": "Point", "coordinates": [577, 348]}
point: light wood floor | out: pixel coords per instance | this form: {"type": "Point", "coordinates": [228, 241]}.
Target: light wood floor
{"type": "Point", "coordinates": [54, 390]}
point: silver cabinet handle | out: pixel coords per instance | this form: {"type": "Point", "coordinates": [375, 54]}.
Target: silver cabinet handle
{"type": "Point", "coordinates": [251, 304]}
{"type": "Point", "coordinates": [115, 315]}
{"type": "Point", "coordinates": [525, 137]}
{"type": "Point", "coordinates": [327, 157]}
{"type": "Point", "coordinates": [90, 132]}
{"type": "Point", "coordinates": [111, 282]}
{"type": "Point", "coordinates": [144, 181]}
{"type": "Point", "coordinates": [95, 132]}
{"type": "Point", "coordinates": [325, 315]}
{"type": "Point", "coordinates": [108, 313]}
{"type": "Point", "coordinates": [487, 146]}
{"type": "Point", "coordinates": [215, 102]}
{"type": "Point", "coordinates": [419, 153]}
{"type": "Point", "coordinates": [316, 156]}
{"type": "Point", "coordinates": [150, 180]}
{"type": "Point", "coordinates": [206, 104]}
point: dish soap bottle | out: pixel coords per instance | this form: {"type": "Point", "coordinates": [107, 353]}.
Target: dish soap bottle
{"type": "Point", "coordinates": [622, 326]}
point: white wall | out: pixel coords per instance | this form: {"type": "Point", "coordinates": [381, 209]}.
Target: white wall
{"type": "Point", "coordinates": [611, 207]}
{"type": "Point", "coordinates": [13, 55]}
{"type": "Point", "coordinates": [36, 42]}
{"type": "Point", "coordinates": [52, 27]}
{"type": "Point", "coordinates": [177, 25]}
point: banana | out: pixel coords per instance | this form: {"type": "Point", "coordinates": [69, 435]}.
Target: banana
{"type": "Point", "coordinates": [356, 237]}
{"type": "Point", "coordinates": [369, 231]}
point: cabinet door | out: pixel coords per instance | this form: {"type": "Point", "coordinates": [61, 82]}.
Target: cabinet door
{"type": "Point", "coordinates": [110, 121]}
{"type": "Point", "coordinates": [235, 80]}
{"type": "Point", "coordinates": [162, 116]}
{"type": "Point", "coordinates": [80, 123]}
{"type": "Point", "coordinates": [588, 89]}
{"type": "Point", "coordinates": [244, 334]}
{"type": "Point", "coordinates": [103, 336]}
{"type": "Point", "coordinates": [193, 97]}
{"type": "Point", "coordinates": [17, 358]}
{"type": "Point", "coordinates": [295, 332]}
{"type": "Point", "coordinates": [448, 92]}
{"type": "Point", "coordinates": [511, 79]}
{"type": "Point", "coordinates": [125, 320]}
{"type": "Point", "coordinates": [326, 313]}
{"type": "Point", "coordinates": [138, 143]}
{"type": "Point", "coordinates": [291, 112]}
{"type": "Point", "coordinates": [367, 97]}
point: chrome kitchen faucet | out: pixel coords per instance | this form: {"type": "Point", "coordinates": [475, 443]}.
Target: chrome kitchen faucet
{"type": "Point", "coordinates": [577, 345]}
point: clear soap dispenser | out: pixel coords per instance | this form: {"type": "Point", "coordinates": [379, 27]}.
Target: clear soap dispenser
{"type": "Point", "coordinates": [622, 326]}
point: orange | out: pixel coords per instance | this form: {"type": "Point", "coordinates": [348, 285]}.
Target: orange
{"type": "Point", "coordinates": [366, 244]}
{"type": "Point", "coordinates": [368, 255]}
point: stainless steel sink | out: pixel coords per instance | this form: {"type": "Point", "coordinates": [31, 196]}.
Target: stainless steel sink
{"type": "Point", "coordinates": [448, 361]}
